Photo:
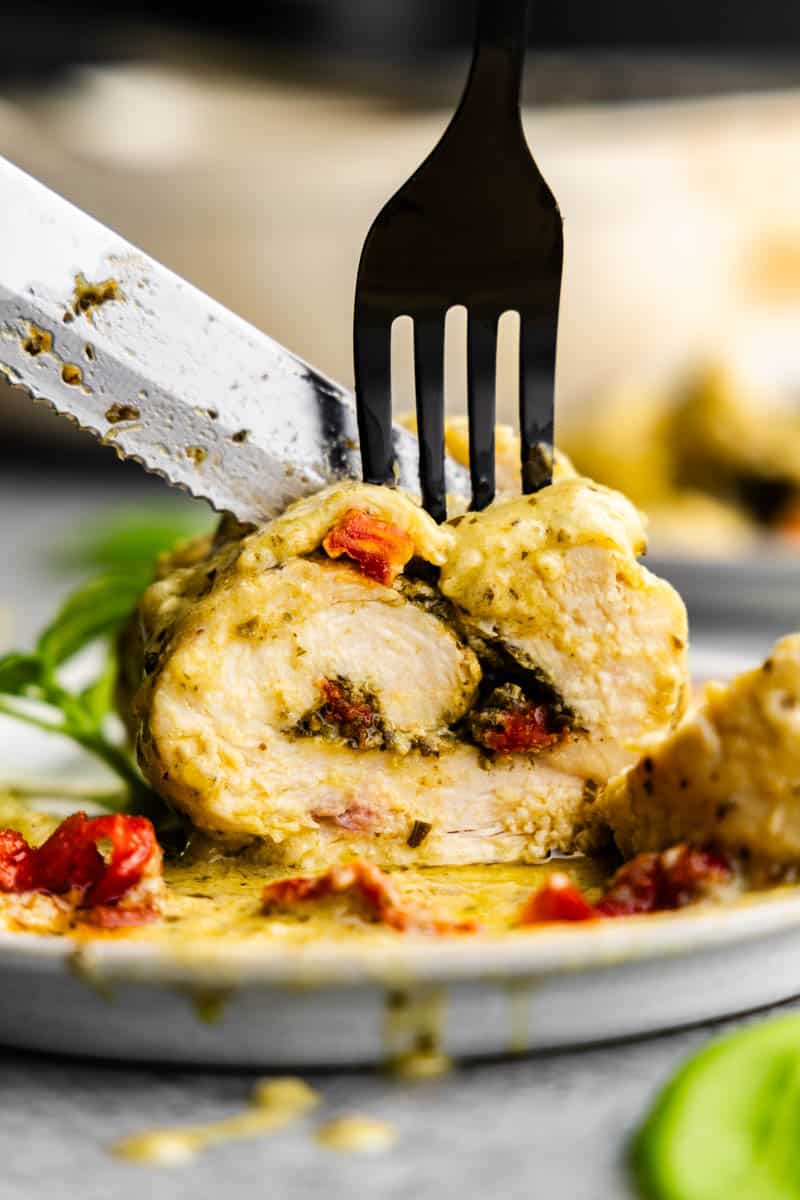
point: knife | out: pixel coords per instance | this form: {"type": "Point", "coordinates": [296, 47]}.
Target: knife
{"type": "Point", "coordinates": [143, 360]}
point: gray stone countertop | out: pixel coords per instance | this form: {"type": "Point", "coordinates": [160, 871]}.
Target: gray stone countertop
{"type": "Point", "coordinates": [547, 1126]}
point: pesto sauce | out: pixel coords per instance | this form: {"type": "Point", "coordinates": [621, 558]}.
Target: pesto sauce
{"type": "Point", "coordinates": [274, 1104]}
{"type": "Point", "coordinates": [212, 894]}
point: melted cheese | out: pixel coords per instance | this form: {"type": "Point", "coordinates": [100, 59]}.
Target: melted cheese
{"type": "Point", "coordinates": [301, 529]}
{"type": "Point", "coordinates": [571, 512]}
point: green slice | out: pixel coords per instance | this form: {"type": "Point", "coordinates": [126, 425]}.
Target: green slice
{"type": "Point", "coordinates": [727, 1126]}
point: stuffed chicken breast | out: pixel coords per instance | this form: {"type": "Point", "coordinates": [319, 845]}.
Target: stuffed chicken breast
{"type": "Point", "coordinates": [353, 679]}
{"type": "Point", "coordinates": [728, 776]}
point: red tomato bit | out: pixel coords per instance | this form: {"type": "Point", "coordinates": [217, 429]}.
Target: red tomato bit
{"type": "Point", "coordinates": [510, 722]}
{"type": "Point", "coordinates": [667, 880]}
{"type": "Point", "coordinates": [112, 916]}
{"type": "Point", "coordinates": [341, 708]}
{"type": "Point", "coordinates": [650, 882]}
{"type": "Point", "coordinates": [70, 861]}
{"type": "Point", "coordinates": [133, 841]}
{"type": "Point", "coordinates": [372, 887]}
{"type": "Point", "coordinates": [16, 862]}
{"type": "Point", "coordinates": [513, 732]}
{"type": "Point", "coordinates": [558, 900]}
{"type": "Point", "coordinates": [380, 548]}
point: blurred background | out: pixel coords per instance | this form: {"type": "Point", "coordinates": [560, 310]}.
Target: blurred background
{"type": "Point", "coordinates": [250, 153]}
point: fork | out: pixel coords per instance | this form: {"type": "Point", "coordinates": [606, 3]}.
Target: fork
{"type": "Point", "coordinates": [475, 225]}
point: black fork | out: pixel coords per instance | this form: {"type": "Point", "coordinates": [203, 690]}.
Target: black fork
{"type": "Point", "coordinates": [476, 225]}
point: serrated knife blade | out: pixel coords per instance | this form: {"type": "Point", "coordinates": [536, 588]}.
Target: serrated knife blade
{"type": "Point", "coordinates": [140, 358]}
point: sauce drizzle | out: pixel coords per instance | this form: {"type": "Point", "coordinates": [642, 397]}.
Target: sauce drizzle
{"type": "Point", "coordinates": [274, 1104]}
{"type": "Point", "coordinates": [356, 1134]}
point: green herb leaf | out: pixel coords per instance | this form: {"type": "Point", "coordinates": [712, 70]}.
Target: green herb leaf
{"type": "Point", "coordinates": [18, 672]}
{"type": "Point", "coordinates": [31, 687]}
{"type": "Point", "coordinates": [728, 1124]}
{"type": "Point", "coordinates": [133, 538]}
{"type": "Point", "coordinates": [97, 699]}
{"type": "Point", "coordinates": [96, 609]}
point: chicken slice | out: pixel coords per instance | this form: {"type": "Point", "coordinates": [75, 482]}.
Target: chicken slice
{"type": "Point", "coordinates": [729, 775]}
{"type": "Point", "coordinates": [551, 584]}
{"type": "Point", "coordinates": [360, 706]}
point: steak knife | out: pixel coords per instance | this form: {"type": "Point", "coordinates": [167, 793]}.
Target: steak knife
{"type": "Point", "coordinates": [140, 358]}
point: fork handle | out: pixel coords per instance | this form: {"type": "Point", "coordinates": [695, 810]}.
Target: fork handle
{"type": "Point", "coordinates": [499, 57]}
{"type": "Point", "coordinates": [503, 23]}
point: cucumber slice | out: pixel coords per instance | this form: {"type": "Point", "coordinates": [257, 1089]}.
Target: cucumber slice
{"type": "Point", "coordinates": [727, 1126]}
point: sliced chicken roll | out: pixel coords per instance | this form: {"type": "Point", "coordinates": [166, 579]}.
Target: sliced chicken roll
{"type": "Point", "coordinates": [729, 775]}
{"type": "Point", "coordinates": [550, 594]}
{"type": "Point", "coordinates": [355, 680]}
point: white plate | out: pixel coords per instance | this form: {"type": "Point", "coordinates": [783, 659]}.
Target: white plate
{"type": "Point", "coordinates": [348, 1004]}
{"type": "Point", "coordinates": [334, 1005]}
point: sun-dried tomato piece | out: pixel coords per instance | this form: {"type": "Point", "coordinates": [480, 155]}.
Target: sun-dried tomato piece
{"type": "Point", "coordinates": [509, 722]}
{"type": "Point", "coordinates": [513, 732]}
{"type": "Point", "coordinates": [346, 712]}
{"type": "Point", "coordinates": [380, 548]}
{"type": "Point", "coordinates": [373, 888]}
{"type": "Point", "coordinates": [117, 916]}
{"type": "Point", "coordinates": [650, 882]}
{"type": "Point", "coordinates": [367, 883]}
{"type": "Point", "coordinates": [16, 862]}
{"type": "Point", "coordinates": [673, 878]}
{"type": "Point", "coordinates": [68, 859]}
{"type": "Point", "coordinates": [133, 842]}
{"type": "Point", "coordinates": [341, 708]}
{"type": "Point", "coordinates": [559, 899]}
{"type": "Point", "coordinates": [634, 889]}
{"type": "Point", "coordinates": [692, 869]}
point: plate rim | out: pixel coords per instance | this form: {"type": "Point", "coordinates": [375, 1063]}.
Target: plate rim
{"type": "Point", "coordinates": [561, 950]}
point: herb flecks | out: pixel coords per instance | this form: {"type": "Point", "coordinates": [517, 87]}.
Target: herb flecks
{"type": "Point", "coordinates": [419, 831]}
{"type": "Point", "coordinates": [122, 412]}
{"type": "Point", "coordinates": [72, 374]}
{"type": "Point", "coordinates": [90, 296]}
{"type": "Point", "coordinates": [38, 341]}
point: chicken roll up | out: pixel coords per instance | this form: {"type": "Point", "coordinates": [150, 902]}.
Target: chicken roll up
{"type": "Point", "coordinates": [354, 680]}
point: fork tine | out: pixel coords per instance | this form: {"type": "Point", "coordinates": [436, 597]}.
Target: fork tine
{"type": "Point", "coordinates": [481, 374]}
{"type": "Point", "coordinates": [429, 382]}
{"type": "Point", "coordinates": [372, 351]}
{"type": "Point", "coordinates": [537, 369]}
{"type": "Point", "coordinates": [429, 387]}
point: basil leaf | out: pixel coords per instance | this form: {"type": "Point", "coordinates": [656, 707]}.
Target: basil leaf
{"type": "Point", "coordinates": [97, 699]}
{"type": "Point", "coordinates": [127, 546]}
{"type": "Point", "coordinates": [18, 672]}
{"type": "Point", "coordinates": [97, 609]}
{"type": "Point", "coordinates": [728, 1124]}
{"type": "Point", "coordinates": [135, 538]}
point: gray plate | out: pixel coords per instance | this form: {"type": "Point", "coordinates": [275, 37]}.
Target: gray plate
{"type": "Point", "coordinates": [757, 588]}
